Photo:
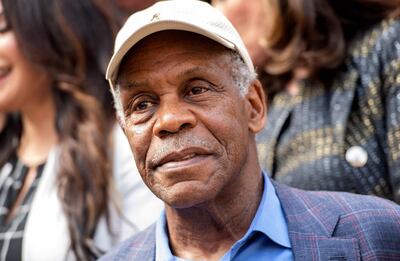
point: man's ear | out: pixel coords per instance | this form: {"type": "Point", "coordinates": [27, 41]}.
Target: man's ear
{"type": "Point", "coordinates": [256, 107]}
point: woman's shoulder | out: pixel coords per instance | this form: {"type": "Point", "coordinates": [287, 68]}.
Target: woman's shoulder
{"type": "Point", "coordinates": [382, 39]}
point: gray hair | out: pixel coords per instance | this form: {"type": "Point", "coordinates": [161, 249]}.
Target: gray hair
{"type": "Point", "coordinates": [116, 93]}
{"type": "Point", "coordinates": [242, 78]}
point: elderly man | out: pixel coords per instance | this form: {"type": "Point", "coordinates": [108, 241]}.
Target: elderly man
{"type": "Point", "coordinates": [190, 104]}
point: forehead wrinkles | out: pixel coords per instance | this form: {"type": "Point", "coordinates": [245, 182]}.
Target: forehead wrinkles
{"type": "Point", "coordinates": [170, 59]}
{"type": "Point", "coordinates": [175, 65]}
{"type": "Point", "coordinates": [167, 46]}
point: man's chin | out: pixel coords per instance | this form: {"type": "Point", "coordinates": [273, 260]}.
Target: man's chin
{"type": "Point", "coordinates": [182, 204]}
{"type": "Point", "coordinates": [183, 196]}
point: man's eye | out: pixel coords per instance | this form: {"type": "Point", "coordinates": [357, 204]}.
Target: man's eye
{"type": "Point", "coordinates": [138, 106]}
{"type": "Point", "coordinates": [197, 90]}
{"type": "Point", "coordinates": [141, 106]}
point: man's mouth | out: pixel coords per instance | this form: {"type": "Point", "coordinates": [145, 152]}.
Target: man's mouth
{"type": "Point", "coordinates": [181, 158]}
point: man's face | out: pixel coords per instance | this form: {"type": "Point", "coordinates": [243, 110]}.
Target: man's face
{"type": "Point", "coordinates": [185, 120]}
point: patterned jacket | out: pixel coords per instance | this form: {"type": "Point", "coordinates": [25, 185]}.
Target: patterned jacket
{"type": "Point", "coordinates": [321, 225]}
{"type": "Point", "coordinates": [345, 137]}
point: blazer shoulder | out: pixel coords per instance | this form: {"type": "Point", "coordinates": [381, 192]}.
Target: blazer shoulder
{"type": "Point", "coordinates": [347, 202]}
{"type": "Point", "coordinates": [140, 246]}
{"type": "Point", "coordinates": [332, 206]}
{"type": "Point", "coordinates": [316, 216]}
{"type": "Point", "coordinates": [375, 222]}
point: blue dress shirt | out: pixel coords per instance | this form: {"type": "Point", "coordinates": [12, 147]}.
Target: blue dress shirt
{"type": "Point", "coordinates": [266, 239]}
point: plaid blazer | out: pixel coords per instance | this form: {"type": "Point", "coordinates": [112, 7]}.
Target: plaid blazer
{"type": "Point", "coordinates": [322, 226]}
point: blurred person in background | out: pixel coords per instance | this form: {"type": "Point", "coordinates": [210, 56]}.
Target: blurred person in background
{"type": "Point", "coordinates": [62, 159]}
{"type": "Point", "coordinates": [331, 69]}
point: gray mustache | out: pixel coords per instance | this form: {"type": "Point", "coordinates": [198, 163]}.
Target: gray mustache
{"type": "Point", "coordinates": [174, 144]}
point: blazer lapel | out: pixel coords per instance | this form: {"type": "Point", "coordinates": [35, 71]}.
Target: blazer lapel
{"type": "Point", "coordinates": [311, 223]}
{"type": "Point", "coordinates": [147, 249]}
{"type": "Point", "coordinates": [342, 100]}
{"type": "Point", "coordinates": [140, 247]}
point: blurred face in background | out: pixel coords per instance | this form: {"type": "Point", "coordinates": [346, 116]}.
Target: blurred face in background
{"type": "Point", "coordinates": [249, 19]}
{"type": "Point", "coordinates": [22, 84]}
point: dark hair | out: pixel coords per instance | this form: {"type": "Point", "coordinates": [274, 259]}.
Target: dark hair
{"type": "Point", "coordinates": [72, 42]}
{"type": "Point", "coordinates": [315, 34]}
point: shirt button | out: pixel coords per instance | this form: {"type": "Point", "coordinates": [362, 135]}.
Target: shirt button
{"type": "Point", "coordinates": [356, 156]}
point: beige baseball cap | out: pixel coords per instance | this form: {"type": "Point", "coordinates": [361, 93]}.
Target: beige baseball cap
{"type": "Point", "coordinates": [186, 15]}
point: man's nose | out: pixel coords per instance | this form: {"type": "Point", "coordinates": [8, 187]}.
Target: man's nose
{"type": "Point", "coordinates": [172, 117]}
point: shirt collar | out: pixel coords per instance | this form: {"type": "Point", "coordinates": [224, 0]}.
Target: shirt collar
{"type": "Point", "coordinates": [269, 220]}
{"type": "Point", "coordinates": [163, 252]}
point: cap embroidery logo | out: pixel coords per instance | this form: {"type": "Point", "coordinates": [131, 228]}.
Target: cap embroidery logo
{"type": "Point", "coordinates": [155, 17]}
